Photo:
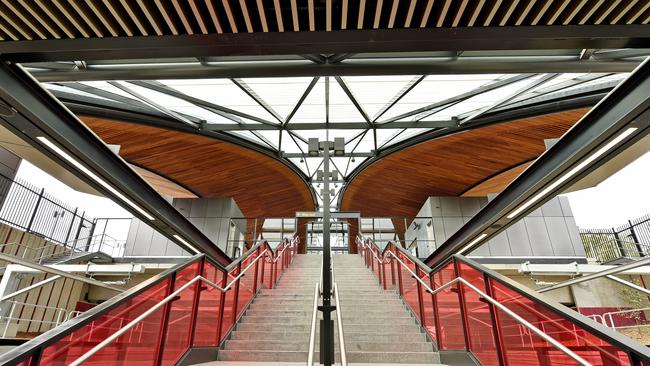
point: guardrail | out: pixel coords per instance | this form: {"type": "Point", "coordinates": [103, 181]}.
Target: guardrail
{"type": "Point", "coordinates": [465, 306]}
{"type": "Point", "coordinates": [170, 313]}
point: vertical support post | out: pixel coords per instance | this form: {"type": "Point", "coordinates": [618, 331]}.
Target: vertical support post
{"type": "Point", "coordinates": [33, 217]}
{"type": "Point", "coordinates": [619, 245]}
{"type": "Point", "coordinates": [399, 277]}
{"type": "Point", "coordinates": [162, 334]}
{"type": "Point", "coordinates": [635, 238]}
{"type": "Point", "coordinates": [463, 308]}
{"type": "Point", "coordinates": [197, 299]}
{"type": "Point", "coordinates": [235, 299]}
{"type": "Point", "coordinates": [327, 324]}
{"type": "Point", "coordinates": [496, 324]}
{"type": "Point", "coordinates": [420, 297]}
{"type": "Point", "coordinates": [263, 260]}
{"type": "Point", "coordinates": [67, 234]}
{"type": "Point", "coordinates": [222, 306]}
{"type": "Point", "coordinates": [436, 313]}
{"type": "Point", "coordinates": [383, 274]}
{"type": "Point", "coordinates": [257, 265]}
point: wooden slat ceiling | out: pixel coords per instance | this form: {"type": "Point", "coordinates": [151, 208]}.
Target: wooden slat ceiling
{"type": "Point", "coordinates": [261, 186]}
{"type": "Point", "coordinates": [60, 19]}
{"type": "Point", "coordinates": [398, 184]}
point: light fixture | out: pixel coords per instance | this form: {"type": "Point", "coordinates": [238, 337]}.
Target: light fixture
{"type": "Point", "coordinates": [478, 239]}
{"type": "Point", "coordinates": [93, 176]}
{"type": "Point", "coordinates": [572, 172]}
{"type": "Point", "coordinates": [302, 160]}
{"type": "Point", "coordinates": [183, 241]}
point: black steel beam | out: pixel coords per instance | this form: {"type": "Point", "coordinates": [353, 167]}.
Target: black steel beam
{"type": "Point", "coordinates": [626, 106]}
{"type": "Point", "coordinates": [31, 113]}
{"type": "Point", "coordinates": [332, 125]}
{"type": "Point", "coordinates": [337, 42]}
{"type": "Point", "coordinates": [350, 67]}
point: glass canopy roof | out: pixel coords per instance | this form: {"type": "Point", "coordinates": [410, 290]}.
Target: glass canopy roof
{"type": "Point", "coordinates": [371, 113]}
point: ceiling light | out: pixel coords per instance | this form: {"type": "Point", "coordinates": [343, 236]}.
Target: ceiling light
{"type": "Point", "coordinates": [573, 171]}
{"type": "Point", "coordinates": [93, 176]}
{"type": "Point", "coordinates": [480, 237]}
{"type": "Point", "coordinates": [184, 242]}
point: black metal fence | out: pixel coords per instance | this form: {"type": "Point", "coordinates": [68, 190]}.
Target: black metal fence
{"type": "Point", "coordinates": [31, 209]}
{"type": "Point", "coordinates": [631, 240]}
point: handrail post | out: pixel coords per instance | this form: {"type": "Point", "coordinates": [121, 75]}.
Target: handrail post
{"type": "Point", "coordinates": [33, 217]}
{"type": "Point", "coordinates": [436, 313]}
{"type": "Point", "coordinates": [235, 300]}
{"type": "Point", "coordinates": [462, 307]}
{"type": "Point", "coordinates": [496, 324]}
{"type": "Point", "coordinates": [196, 301]}
{"type": "Point", "coordinates": [257, 264]}
{"type": "Point", "coordinates": [222, 305]}
{"type": "Point", "coordinates": [164, 320]}
{"type": "Point", "coordinates": [420, 298]}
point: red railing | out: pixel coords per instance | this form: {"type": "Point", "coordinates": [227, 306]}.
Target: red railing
{"type": "Point", "coordinates": [201, 314]}
{"type": "Point", "coordinates": [465, 306]}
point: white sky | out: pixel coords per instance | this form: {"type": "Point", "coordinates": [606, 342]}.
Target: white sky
{"type": "Point", "coordinates": [623, 196]}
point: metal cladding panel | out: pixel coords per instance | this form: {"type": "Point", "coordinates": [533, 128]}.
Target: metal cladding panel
{"type": "Point", "coordinates": [556, 228]}
{"type": "Point", "coordinates": [499, 246]}
{"type": "Point", "coordinates": [450, 206]}
{"type": "Point", "coordinates": [552, 208]}
{"type": "Point", "coordinates": [574, 235]}
{"type": "Point", "coordinates": [538, 236]}
{"type": "Point", "coordinates": [518, 237]}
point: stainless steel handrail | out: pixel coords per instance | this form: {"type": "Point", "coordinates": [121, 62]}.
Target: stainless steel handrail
{"type": "Point", "coordinates": [381, 261]}
{"type": "Point", "coordinates": [344, 360]}
{"type": "Point", "coordinates": [312, 332]}
{"type": "Point", "coordinates": [501, 307]}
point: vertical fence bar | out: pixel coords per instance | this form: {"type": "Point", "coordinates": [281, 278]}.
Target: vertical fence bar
{"type": "Point", "coordinates": [38, 203]}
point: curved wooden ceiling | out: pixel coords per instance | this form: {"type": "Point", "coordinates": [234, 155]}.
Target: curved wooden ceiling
{"type": "Point", "coordinates": [398, 184]}
{"type": "Point", "coordinates": [261, 186]}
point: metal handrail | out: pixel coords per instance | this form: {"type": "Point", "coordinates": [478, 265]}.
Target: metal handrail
{"type": "Point", "coordinates": [344, 361]}
{"type": "Point", "coordinates": [497, 304]}
{"type": "Point", "coordinates": [312, 332]}
{"type": "Point", "coordinates": [387, 253]}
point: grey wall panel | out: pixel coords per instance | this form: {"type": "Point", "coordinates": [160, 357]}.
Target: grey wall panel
{"type": "Point", "coordinates": [499, 245]}
{"type": "Point", "coordinates": [538, 236]}
{"type": "Point", "coordinates": [518, 239]}
{"type": "Point", "coordinates": [574, 235]}
{"type": "Point", "coordinates": [434, 204]}
{"type": "Point", "coordinates": [143, 242]}
{"type": "Point", "coordinates": [470, 206]}
{"type": "Point", "coordinates": [559, 236]}
{"type": "Point", "coordinates": [451, 225]}
{"type": "Point", "coordinates": [199, 207]}
{"type": "Point", "coordinates": [184, 206]}
{"type": "Point", "coordinates": [552, 208]}
{"type": "Point", "coordinates": [215, 207]}
{"type": "Point", "coordinates": [450, 206]}
{"type": "Point", "coordinates": [566, 206]}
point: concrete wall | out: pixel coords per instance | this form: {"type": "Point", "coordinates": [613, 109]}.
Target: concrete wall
{"type": "Point", "coordinates": [549, 231]}
{"type": "Point", "coordinates": [210, 215]}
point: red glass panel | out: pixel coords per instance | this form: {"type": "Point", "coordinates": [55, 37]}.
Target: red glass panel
{"type": "Point", "coordinates": [207, 320]}
{"type": "Point", "coordinates": [26, 362]}
{"type": "Point", "coordinates": [524, 347]}
{"type": "Point", "coordinates": [479, 319]}
{"type": "Point", "coordinates": [451, 335]}
{"type": "Point", "coordinates": [428, 317]}
{"type": "Point", "coordinates": [229, 305]}
{"type": "Point", "coordinates": [247, 283]}
{"type": "Point", "coordinates": [409, 284]}
{"type": "Point", "coordinates": [137, 347]}
{"type": "Point", "coordinates": [179, 321]}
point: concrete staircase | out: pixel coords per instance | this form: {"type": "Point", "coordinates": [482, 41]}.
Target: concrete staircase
{"type": "Point", "coordinates": [276, 326]}
{"type": "Point", "coordinates": [378, 327]}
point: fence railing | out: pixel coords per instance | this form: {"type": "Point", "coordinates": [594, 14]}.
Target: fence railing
{"type": "Point", "coordinates": [631, 240]}
{"type": "Point", "coordinates": [33, 210]}
{"type": "Point", "coordinates": [464, 306]}
{"type": "Point", "coordinates": [159, 320]}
